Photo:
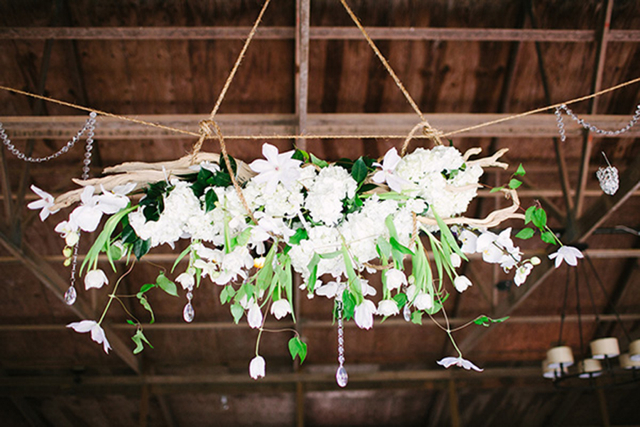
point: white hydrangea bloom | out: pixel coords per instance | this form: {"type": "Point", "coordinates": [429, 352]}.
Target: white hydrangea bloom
{"type": "Point", "coordinates": [324, 199]}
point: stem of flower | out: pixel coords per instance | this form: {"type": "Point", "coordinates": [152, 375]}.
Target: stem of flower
{"type": "Point", "coordinates": [113, 294]}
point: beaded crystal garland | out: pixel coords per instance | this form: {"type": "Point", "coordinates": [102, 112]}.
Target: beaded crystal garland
{"type": "Point", "coordinates": [250, 227]}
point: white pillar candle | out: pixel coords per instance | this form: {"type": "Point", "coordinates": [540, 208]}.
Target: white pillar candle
{"type": "Point", "coordinates": [604, 347]}
{"type": "Point", "coordinates": [559, 356]}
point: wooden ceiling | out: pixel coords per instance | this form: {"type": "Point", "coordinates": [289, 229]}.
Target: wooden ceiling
{"type": "Point", "coordinates": [309, 71]}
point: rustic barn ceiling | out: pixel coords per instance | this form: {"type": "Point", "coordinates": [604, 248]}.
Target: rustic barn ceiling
{"type": "Point", "coordinates": [309, 71]}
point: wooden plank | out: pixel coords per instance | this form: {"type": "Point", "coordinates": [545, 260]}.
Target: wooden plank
{"type": "Point", "coordinates": [316, 33]}
{"type": "Point", "coordinates": [266, 126]}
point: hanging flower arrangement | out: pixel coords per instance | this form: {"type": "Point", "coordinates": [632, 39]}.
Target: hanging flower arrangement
{"type": "Point", "coordinates": [250, 227]}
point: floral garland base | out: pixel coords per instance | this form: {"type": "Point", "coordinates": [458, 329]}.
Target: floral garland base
{"type": "Point", "coordinates": [330, 223]}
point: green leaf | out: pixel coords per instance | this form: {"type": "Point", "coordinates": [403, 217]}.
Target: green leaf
{"type": "Point", "coordinates": [139, 338]}
{"type": "Point", "coordinates": [318, 162]}
{"type": "Point", "coordinates": [166, 285]}
{"type": "Point", "coordinates": [141, 247]}
{"type": "Point", "coordinates": [146, 287]}
{"type": "Point", "coordinates": [237, 311]}
{"type": "Point", "coordinates": [548, 237]}
{"type": "Point", "coordinates": [349, 305]}
{"type": "Point", "coordinates": [400, 299]}
{"type": "Point", "coordinates": [383, 247]}
{"type": "Point", "coordinates": [359, 171]}
{"type": "Point", "coordinates": [399, 247]}
{"type": "Point", "coordinates": [131, 322]}
{"type": "Point", "coordinates": [539, 218]}
{"type": "Point", "coordinates": [520, 171]}
{"type": "Point", "coordinates": [528, 215]}
{"type": "Point", "coordinates": [300, 235]}
{"type": "Point", "coordinates": [242, 238]}
{"type": "Point", "coordinates": [297, 348]}
{"type": "Point", "coordinates": [227, 294]}
{"type": "Point", "coordinates": [182, 255]}
{"type": "Point", "coordinates": [313, 271]}
{"type": "Point", "coordinates": [416, 317]}
{"type": "Point", "coordinates": [525, 233]}
{"type": "Point", "coordinates": [115, 252]}
{"type": "Point", "coordinates": [301, 155]}
{"type": "Point", "coordinates": [146, 305]}
{"type": "Point", "coordinates": [210, 200]}
{"type": "Point", "coordinates": [514, 183]}
{"type": "Point", "coordinates": [496, 189]}
{"type": "Point", "coordinates": [486, 321]}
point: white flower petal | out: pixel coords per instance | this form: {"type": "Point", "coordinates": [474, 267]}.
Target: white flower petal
{"type": "Point", "coordinates": [257, 367]}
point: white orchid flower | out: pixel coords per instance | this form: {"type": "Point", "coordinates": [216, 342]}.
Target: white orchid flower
{"type": "Point", "coordinates": [395, 278]}
{"type": "Point", "coordinates": [207, 269]}
{"type": "Point", "coordinates": [254, 315]}
{"type": "Point", "coordinates": [388, 307]}
{"type": "Point", "coordinates": [257, 367]}
{"type": "Point", "coordinates": [568, 254]}
{"type": "Point", "coordinates": [95, 279]}
{"type": "Point", "coordinates": [522, 272]}
{"type": "Point", "coordinates": [461, 283]}
{"type": "Point", "coordinates": [458, 361]}
{"type": "Point", "coordinates": [45, 203]}
{"type": "Point", "coordinates": [97, 333]}
{"type": "Point", "coordinates": [113, 201]}
{"type": "Point", "coordinates": [364, 314]}
{"type": "Point", "coordinates": [280, 308]}
{"type": "Point", "coordinates": [367, 289]}
{"type": "Point", "coordinates": [387, 174]}
{"type": "Point", "coordinates": [68, 231]}
{"type": "Point", "coordinates": [469, 241]}
{"type": "Point", "coordinates": [87, 215]}
{"type": "Point", "coordinates": [279, 167]}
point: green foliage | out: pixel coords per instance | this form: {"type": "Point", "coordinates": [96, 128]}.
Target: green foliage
{"type": "Point", "coordinates": [525, 233]}
{"type": "Point", "coordinates": [141, 247]}
{"type": "Point", "coordinates": [348, 304]}
{"type": "Point", "coordinates": [300, 235]}
{"type": "Point", "coordinates": [401, 299]}
{"type": "Point", "coordinates": [318, 162]}
{"type": "Point", "coordinates": [548, 237]}
{"type": "Point", "coordinates": [359, 171]}
{"type": "Point", "coordinates": [139, 338]}
{"type": "Point", "coordinates": [514, 183]}
{"type": "Point", "coordinates": [227, 294]}
{"type": "Point", "coordinates": [539, 218]}
{"type": "Point", "coordinates": [210, 199]}
{"type": "Point", "coordinates": [143, 301]}
{"type": "Point", "coordinates": [236, 311]}
{"type": "Point", "coordinates": [153, 202]}
{"type": "Point", "coordinates": [520, 171]}
{"type": "Point", "coordinates": [486, 321]}
{"type": "Point", "coordinates": [166, 285]}
{"type": "Point", "coordinates": [297, 348]}
{"type": "Point", "coordinates": [416, 317]}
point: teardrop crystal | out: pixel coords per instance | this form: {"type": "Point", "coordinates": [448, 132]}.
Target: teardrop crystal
{"type": "Point", "coordinates": [70, 296]}
{"type": "Point", "coordinates": [407, 313]}
{"type": "Point", "coordinates": [188, 313]}
{"type": "Point", "coordinates": [342, 378]}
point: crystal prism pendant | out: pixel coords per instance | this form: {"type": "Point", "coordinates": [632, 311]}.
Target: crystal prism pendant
{"type": "Point", "coordinates": [406, 312]}
{"type": "Point", "coordinates": [188, 313]}
{"type": "Point", "coordinates": [342, 378]}
{"type": "Point", "coordinates": [70, 296]}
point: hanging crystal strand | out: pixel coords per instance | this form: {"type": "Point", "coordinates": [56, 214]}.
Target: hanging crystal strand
{"type": "Point", "coordinates": [189, 313]}
{"type": "Point", "coordinates": [593, 128]}
{"type": "Point", "coordinates": [342, 378]}
{"type": "Point", "coordinates": [563, 135]}
{"type": "Point", "coordinates": [71, 294]}
{"type": "Point", "coordinates": [89, 125]}
{"type": "Point", "coordinates": [608, 178]}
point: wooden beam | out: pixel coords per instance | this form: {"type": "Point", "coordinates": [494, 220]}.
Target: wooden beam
{"type": "Point", "coordinates": [266, 126]}
{"type": "Point", "coordinates": [319, 324]}
{"type": "Point", "coordinates": [316, 33]}
{"type": "Point", "coordinates": [53, 281]}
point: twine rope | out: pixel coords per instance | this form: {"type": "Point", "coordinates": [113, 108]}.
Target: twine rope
{"type": "Point", "coordinates": [320, 136]}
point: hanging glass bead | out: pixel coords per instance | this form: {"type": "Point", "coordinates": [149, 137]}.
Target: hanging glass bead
{"type": "Point", "coordinates": [70, 296]}
{"type": "Point", "coordinates": [406, 313]}
{"type": "Point", "coordinates": [342, 378]}
{"type": "Point", "coordinates": [188, 314]}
